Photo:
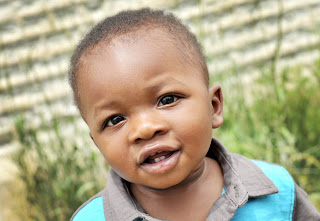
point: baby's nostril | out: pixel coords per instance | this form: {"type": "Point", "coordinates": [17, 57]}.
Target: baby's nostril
{"type": "Point", "coordinates": [157, 132]}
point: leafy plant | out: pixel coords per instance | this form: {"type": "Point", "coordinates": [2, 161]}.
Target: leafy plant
{"type": "Point", "coordinates": [57, 170]}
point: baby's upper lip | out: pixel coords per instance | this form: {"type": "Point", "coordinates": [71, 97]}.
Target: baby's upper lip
{"type": "Point", "coordinates": [147, 151]}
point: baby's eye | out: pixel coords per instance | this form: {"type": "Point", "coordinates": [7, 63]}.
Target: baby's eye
{"type": "Point", "coordinates": [113, 121]}
{"type": "Point", "coordinates": [168, 99]}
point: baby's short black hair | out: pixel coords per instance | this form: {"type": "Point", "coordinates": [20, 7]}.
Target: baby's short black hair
{"type": "Point", "coordinates": [131, 21]}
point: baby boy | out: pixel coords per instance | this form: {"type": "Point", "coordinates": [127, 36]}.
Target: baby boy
{"type": "Point", "coordinates": [141, 84]}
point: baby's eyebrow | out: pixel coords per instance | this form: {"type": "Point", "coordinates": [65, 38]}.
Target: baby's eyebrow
{"type": "Point", "coordinates": [103, 107]}
{"type": "Point", "coordinates": [161, 84]}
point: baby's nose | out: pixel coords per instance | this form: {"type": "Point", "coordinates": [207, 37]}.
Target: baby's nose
{"type": "Point", "coordinates": [147, 125]}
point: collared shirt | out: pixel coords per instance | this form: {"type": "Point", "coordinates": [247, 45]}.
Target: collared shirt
{"type": "Point", "coordinates": [254, 190]}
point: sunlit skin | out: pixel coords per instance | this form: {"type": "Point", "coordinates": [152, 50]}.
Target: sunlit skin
{"type": "Point", "coordinates": [139, 95]}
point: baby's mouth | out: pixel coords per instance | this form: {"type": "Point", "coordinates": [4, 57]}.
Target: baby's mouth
{"type": "Point", "coordinates": [161, 161]}
{"type": "Point", "coordinates": [159, 156]}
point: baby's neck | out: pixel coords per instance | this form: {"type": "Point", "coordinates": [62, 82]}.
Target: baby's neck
{"type": "Point", "coordinates": [195, 194]}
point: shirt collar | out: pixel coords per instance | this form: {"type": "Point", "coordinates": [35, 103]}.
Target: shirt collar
{"type": "Point", "coordinates": [241, 171]}
{"type": "Point", "coordinates": [242, 179]}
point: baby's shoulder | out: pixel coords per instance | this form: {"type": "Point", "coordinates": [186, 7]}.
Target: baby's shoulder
{"type": "Point", "coordinates": [90, 210]}
{"type": "Point", "coordinates": [258, 169]}
{"type": "Point", "coordinates": [276, 206]}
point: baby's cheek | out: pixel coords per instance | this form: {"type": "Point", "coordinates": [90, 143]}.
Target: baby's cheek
{"type": "Point", "coordinates": [109, 153]}
{"type": "Point", "coordinates": [199, 120]}
{"type": "Point", "coordinates": [200, 126]}
{"type": "Point", "coordinates": [124, 171]}
{"type": "Point", "coordinates": [122, 162]}
{"type": "Point", "coordinates": [196, 131]}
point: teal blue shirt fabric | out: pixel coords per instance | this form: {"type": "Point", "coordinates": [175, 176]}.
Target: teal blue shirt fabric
{"type": "Point", "coordinates": [277, 206]}
{"type": "Point", "coordinates": [253, 190]}
{"type": "Point", "coordinates": [92, 211]}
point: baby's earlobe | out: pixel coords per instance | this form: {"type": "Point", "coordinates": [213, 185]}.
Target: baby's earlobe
{"type": "Point", "coordinates": [217, 105]}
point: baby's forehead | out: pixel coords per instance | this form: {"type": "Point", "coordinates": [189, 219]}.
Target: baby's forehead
{"type": "Point", "coordinates": [146, 39]}
{"type": "Point", "coordinates": [140, 45]}
{"type": "Point", "coordinates": [152, 37]}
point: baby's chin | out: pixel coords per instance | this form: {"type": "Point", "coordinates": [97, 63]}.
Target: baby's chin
{"type": "Point", "coordinates": [165, 184]}
{"type": "Point", "coordinates": [169, 180]}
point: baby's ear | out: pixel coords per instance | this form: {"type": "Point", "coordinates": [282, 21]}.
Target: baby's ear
{"type": "Point", "coordinates": [216, 97]}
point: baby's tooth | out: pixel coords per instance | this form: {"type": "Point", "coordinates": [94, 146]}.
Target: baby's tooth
{"type": "Point", "coordinates": [152, 154]}
{"type": "Point", "coordinates": [162, 158]}
{"type": "Point", "coordinates": [157, 160]}
{"type": "Point", "coordinates": [159, 151]}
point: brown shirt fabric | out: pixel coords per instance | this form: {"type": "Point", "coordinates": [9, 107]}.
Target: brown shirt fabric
{"type": "Point", "coordinates": [243, 180]}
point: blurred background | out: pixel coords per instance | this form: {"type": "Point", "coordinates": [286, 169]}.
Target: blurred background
{"type": "Point", "coordinates": [264, 53]}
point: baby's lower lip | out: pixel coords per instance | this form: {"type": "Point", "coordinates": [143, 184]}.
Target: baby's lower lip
{"type": "Point", "coordinates": [163, 165]}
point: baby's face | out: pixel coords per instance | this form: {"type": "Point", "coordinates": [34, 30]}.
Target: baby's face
{"type": "Point", "coordinates": [149, 112]}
